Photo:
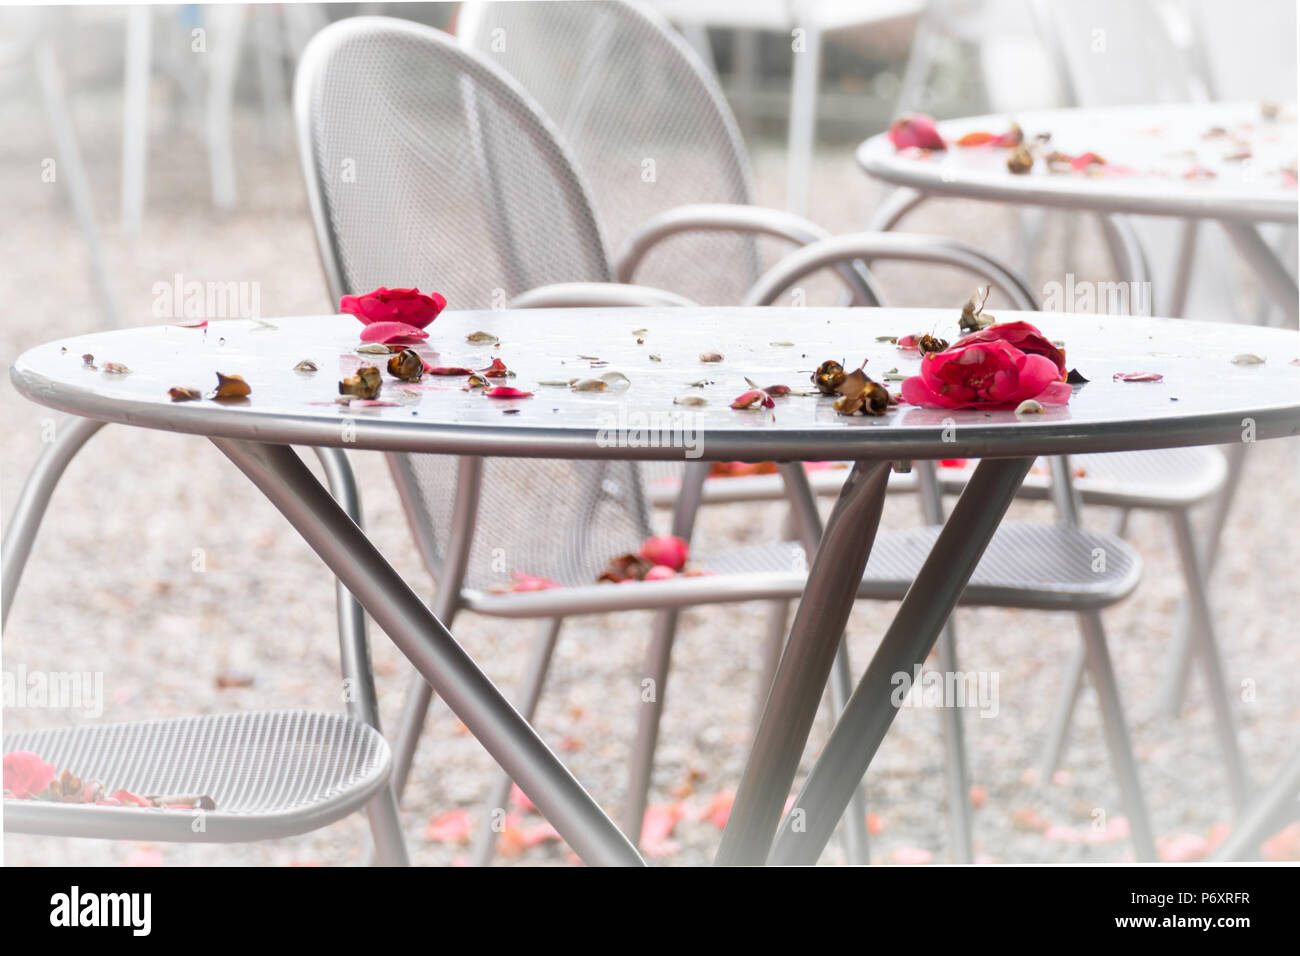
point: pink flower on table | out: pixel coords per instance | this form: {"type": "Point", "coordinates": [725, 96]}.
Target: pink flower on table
{"type": "Point", "coordinates": [1023, 336]}
{"type": "Point", "coordinates": [667, 550]}
{"type": "Point", "coordinates": [915, 130]}
{"type": "Point", "coordinates": [394, 315]}
{"type": "Point", "coordinates": [26, 774]}
{"type": "Point", "coordinates": [985, 375]}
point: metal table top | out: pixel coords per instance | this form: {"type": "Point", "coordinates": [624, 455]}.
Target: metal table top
{"type": "Point", "coordinates": [1154, 146]}
{"type": "Point", "coordinates": [1204, 397]}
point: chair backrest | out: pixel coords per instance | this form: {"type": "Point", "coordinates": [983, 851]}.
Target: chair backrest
{"type": "Point", "coordinates": [645, 120]}
{"type": "Point", "coordinates": [428, 167]}
{"type": "Point", "coordinates": [1122, 52]}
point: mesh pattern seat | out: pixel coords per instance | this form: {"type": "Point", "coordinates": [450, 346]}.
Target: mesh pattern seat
{"type": "Point", "coordinates": [1029, 566]}
{"type": "Point", "coordinates": [270, 774]}
{"type": "Point", "coordinates": [645, 120]}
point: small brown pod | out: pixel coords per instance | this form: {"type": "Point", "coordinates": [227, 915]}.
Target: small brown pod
{"type": "Point", "coordinates": [406, 365]}
{"type": "Point", "coordinates": [365, 384]}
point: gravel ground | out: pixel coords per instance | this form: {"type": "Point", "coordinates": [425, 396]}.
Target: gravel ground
{"type": "Point", "coordinates": [111, 585]}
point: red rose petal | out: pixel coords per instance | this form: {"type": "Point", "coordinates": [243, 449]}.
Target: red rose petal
{"type": "Point", "coordinates": [388, 332]}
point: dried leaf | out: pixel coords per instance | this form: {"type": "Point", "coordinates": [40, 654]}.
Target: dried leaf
{"type": "Point", "coordinates": [858, 393]}
{"type": "Point", "coordinates": [364, 384]}
{"type": "Point", "coordinates": [590, 385]}
{"type": "Point", "coordinates": [406, 365]}
{"type": "Point", "coordinates": [781, 345]}
{"type": "Point", "coordinates": [710, 356]}
{"type": "Point", "coordinates": [1247, 358]}
{"type": "Point", "coordinates": [373, 348]}
{"type": "Point", "coordinates": [482, 338]}
{"type": "Point", "coordinates": [616, 380]}
{"type": "Point", "coordinates": [182, 394]}
{"type": "Point", "coordinates": [306, 365]}
{"type": "Point", "coordinates": [656, 357]}
{"type": "Point", "coordinates": [116, 368]}
{"type": "Point", "coordinates": [692, 400]}
{"type": "Point", "coordinates": [231, 386]}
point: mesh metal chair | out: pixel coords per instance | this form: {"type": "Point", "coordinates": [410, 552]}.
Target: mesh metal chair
{"type": "Point", "coordinates": [269, 774]}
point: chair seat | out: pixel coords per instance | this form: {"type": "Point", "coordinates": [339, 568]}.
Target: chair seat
{"type": "Point", "coordinates": [1163, 479]}
{"type": "Point", "coordinates": [1032, 566]}
{"type": "Point", "coordinates": [270, 774]}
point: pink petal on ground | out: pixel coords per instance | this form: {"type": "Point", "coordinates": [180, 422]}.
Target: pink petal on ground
{"type": "Point", "coordinates": [978, 796]}
{"type": "Point", "coordinates": [875, 826]}
{"type": "Point", "coordinates": [520, 799]}
{"type": "Point", "coordinates": [1283, 845]}
{"type": "Point", "coordinates": [719, 808]}
{"type": "Point", "coordinates": [1182, 848]}
{"type": "Point", "coordinates": [910, 856]}
{"type": "Point", "coordinates": [1060, 833]}
{"type": "Point", "coordinates": [454, 826]}
{"type": "Point", "coordinates": [388, 332]}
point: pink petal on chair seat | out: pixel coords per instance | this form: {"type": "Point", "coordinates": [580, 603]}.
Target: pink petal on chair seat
{"type": "Point", "coordinates": [388, 332]}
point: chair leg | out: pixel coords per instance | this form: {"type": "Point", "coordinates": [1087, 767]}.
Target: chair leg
{"type": "Point", "coordinates": [32, 502]}
{"type": "Point", "coordinates": [1058, 731]}
{"type": "Point", "coordinates": [539, 666]}
{"type": "Point", "coordinates": [856, 846]}
{"type": "Point", "coordinates": [419, 695]}
{"type": "Point", "coordinates": [956, 767]}
{"type": "Point", "coordinates": [647, 729]}
{"type": "Point", "coordinates": [1102, 673]}
{"type": "Point", "coordinates": [1268, 812]}
{"type": "Point", "coordinates": [1207, 647]}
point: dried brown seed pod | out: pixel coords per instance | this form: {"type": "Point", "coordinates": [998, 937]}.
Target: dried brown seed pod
{"type": "Point", "coordinates": [231, 386]}
{"type": "Point", "coordinates": [828, 376]}
{"type": "Point", "coordinates": [1020, 161]}
{"type": "Point", "coordinates": [182, 394]}
{"type": "Point", "coordinates": [930, 343]}
{"type": "Point", "coordinates": [858, 393]}
{"type": "Point", "coordinates": [365, 384]}
{"type": "Point", "coordinates": [406, 365]}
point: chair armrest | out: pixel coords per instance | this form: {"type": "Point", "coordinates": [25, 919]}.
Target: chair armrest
{"type": "Point", "coordinates": [585, 295]}
{"type": "Point", "coordinates": [869, 246]}
{"type": "Point", "coordinates": [723, 217]}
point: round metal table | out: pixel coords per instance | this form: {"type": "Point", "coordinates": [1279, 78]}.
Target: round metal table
{"type": "Point", "coordinates": [1203, 398]}
{"type": "Point", "coordinates": [1157, 160]}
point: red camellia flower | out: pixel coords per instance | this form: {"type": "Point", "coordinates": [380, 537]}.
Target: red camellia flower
{"type": "Point", "coordinates": [26, 774]}
{"type": "Point", "coordinates": [1024, 337]}
{"type": "Point", "coordinates": [667, 550]}
{"type": "Point", "coordinates": [394, 315]}
{"type": "Point", "coordinates": [986, 375]}
{"type": "Point", "coordinates": [915, 129]}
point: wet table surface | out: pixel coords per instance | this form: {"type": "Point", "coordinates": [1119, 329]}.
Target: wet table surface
{"type": "Point", "coordinates": [1158, 161]}
{"type": "Point", "coordinates": [1204, 398]}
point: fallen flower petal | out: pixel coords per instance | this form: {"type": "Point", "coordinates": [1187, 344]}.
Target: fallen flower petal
{"type": "Point", "coordinates": [387, 332]}
{"type": "Point", "coordinates": [454, 826]}
{"type": "Point", "coordinates": [447, 370]}
{"type": "Point", "coordinates": [915, 130]}
{"type": "Point", "coordinates": [667, 550]}
{"type": "Point", "coordinates": [753, 397]}
{"type": "Point", "coordinates": [505, 391]}
{"type": "Point", "coordinates": [26, 774]}
{"type": "Point", "coordinates": [531, 582]}
{"type": "Point", "coordinates": [496, 370]}
{"type": "Point", "coordinates": [1137, 377]}
{"type": "Point", "coordinates": [660, 572]}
